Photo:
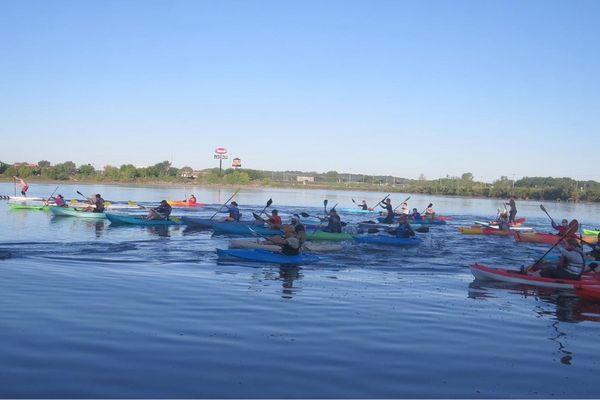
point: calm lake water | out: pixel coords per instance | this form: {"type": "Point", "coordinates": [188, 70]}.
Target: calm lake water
{"type": "Point", "coordinates": [93, 310]}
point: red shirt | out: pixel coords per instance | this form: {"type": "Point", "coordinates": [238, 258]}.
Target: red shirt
{"type": "Point", "coordinates": [275, 220]}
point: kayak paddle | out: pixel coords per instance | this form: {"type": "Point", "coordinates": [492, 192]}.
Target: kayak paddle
{"type": "Point", "coordinates": [573, 228]}
{"type": "Point", "coordinates": [48, 200]}
{"type": "Point", "coordinates": [224, 204]}
{"type": "Point", "coordinates": [407, 199]}
{"type": "Point", "coordinates": [269, 202]}
{"type": "Point", "coordinates": [264, 237]}
{"type": "Point", "coordinates": [544, 210]}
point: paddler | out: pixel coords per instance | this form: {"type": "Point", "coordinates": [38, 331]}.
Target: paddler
{"type": "Point", "coordinates": [513, 210]}
{"type": "Point", "coordinates": [24, 186]}
{"type": "Point", "coordinates": [274, 220]}
{"type": "Point", "coordinates": [290, 243]}
{"type": "Point", "coordinates": [98, 204]}
{"type": "Point", "coordinates": [234, 212]}
{"type": "Point", "coordinates": [298, 228]}
{"type": "Point", "coordinates": [430, 212]}
{"type": "Point", "coordinates": [334, 223]}
{"type": "Point", "coordinates": [502, 221]}
{"type": "Point", "coordinates": [571, 263]}
{"type": "Point", "coordinates": [562, 228]}
{"type": "Point", "coordinates": [162, 212]}
{"type": "Point", "coordinates": [389, 218]}
{"type": "Point", "coordinates": [59, 201]}
{"type": "Point", "coordinates": [404, 229]}
{"type": "Point", "coordinates": [416, 215]}
{"type": "Point", "coordinates": [192, 200]}
{"type": "Point", "coordinates": [404, 208]}
{"type": "Point", "coordinates": [364, 206]}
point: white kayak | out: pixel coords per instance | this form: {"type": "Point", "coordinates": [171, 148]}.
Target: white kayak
{"type": "Point", "coordinates": [512, 228]}
{"type": "Point", "coordinates": [21, 198]}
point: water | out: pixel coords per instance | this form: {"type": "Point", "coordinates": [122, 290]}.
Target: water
{"type": "Point", "coordinates": [93, 310]}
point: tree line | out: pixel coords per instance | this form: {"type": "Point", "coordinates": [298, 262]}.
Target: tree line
{"type": "Point", "coordinates": [537, 188]}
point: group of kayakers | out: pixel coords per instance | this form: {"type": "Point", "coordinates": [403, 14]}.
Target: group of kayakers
{"type": "Point", "coordinates": [415, 215]}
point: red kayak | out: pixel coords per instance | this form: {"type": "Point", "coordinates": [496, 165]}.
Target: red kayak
{"type": "Point", "coordinates": [589, 292]}
{"type": "Point", "coordinates": [482, 230]}
{"type": "Point", "coordinates": [184, 204]}
{"type": "Point", "coordinates": [536, 237]}
{"type": "Point", "coordinates": [506, 275]}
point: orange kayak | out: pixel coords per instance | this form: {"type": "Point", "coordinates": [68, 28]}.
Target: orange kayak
{"type": "Point", "coordinates": [589, 292]}
{"type": "Point", "coordinates": [174, 203]}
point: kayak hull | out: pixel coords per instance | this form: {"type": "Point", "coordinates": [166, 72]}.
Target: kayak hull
{"type": "Point", "coordinates": [536, 237]}
{"type": "Point", "coordinates": [423, 221]}
{"type": "Point", "coordinates": [233, 228]}
{"type": "Point", "coordinates": [184, 204]}
{"type": "Point", "coordinates": [357, 211]}
{"type": "Point", "coordinates": [482, 272]}
{"type": "Point", "coordinates": [589, 292]}
{"type": "Point", "coordinates": [264, 256]}
{"type": "Point", "coordinates": [388, 240]}
{"type": "Point", "coordinates": [481, 230]}
{"type": "Point", "coordinates": [121, 219]}
{"type": "Point", "coordinates": [69, 212]}
{"type": "Point", "coordinates": [17, 206]}
{"type": "Point", "coordinates": [328, 236]}
{"type": "Point", "coordinates": [309, 246]}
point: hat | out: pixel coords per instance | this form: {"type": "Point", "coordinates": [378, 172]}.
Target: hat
{"type": "Point", "coordinates": [233, 203]}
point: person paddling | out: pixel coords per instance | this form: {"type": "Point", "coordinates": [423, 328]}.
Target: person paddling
{"type": "Point", "coordinates": [98, 204]}
{"type": "Point", "coordinates": [364, 206]}
{"type": "Point", "coordinates": [404, 208]}
{"type": "Point", "coordinates": [430, 212]}
{"type": "Point", "coordinates": [502, 221]}
{"type": "Point", "coordinates": [290, 243]}
{"type": "Point", "coordinates": [334, 223]}
{"type": "Point", "coordinates": [389, 218]}
{"type": "Point", "coordinates": [192, 201]}
{"type": "Point", "coordinates": [299, 228]}
{"type": "Point", "coordinates": [513, 210]}
{"type": "Point", "coordinates": [274, 220]}
{"type": "Point", "coordinates": [404, 229]}
{"type": "Point", "coordinates": [234, 212]}
{"type": "Point", "coordinates": [416, 215]}
{"type": "Point", "coordinates": [162, 212]}
{"type": "Point", "coordinates": [59, 201]}
{"type": "Point", "coordinates": [24, 186]}
{"type": "Point", "coordinates": [562, 228]}
{"type": "Point", "coordinates": [571, 263]}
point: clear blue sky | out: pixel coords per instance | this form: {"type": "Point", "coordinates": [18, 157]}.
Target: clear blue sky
{"type": "Point", "coordinates": [388, 87]}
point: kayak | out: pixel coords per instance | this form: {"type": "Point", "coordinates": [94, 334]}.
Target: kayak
{"type": "Point", "coordinates": [208, 223]}
{"type": "Point", "coordinates": [184, 204]}
{"type": "Point", "coordinates": [71, 212]}
{"type": "Point", "coordinates": [358, 211]}
{"type": "Point", "coordinates": [138, 220]}
{"type": "Point", "coordinates": [423, 221]}
{"type": "Point", "coordinates": [536, 237]}
{"type": "Point", "coordinates": [18, 206]}
{"type": "Point", "coordinates": [388, 240]}
{"type": "Point", "coordinates": [589, 292]}
{"type": "Point", "coordinates": [21, 198]}
{"type": "Point", "coordinates": [234, 228]}
{"type": "Point", "coordinates": [482, 230]}
{"type": "Point", "coordinates": [334, 237]}
{"type": "Point", "coordinates": [506, 275]}
{"type": "Point", "coordinates": [590, 232]}
{"type": "Point", "coordinates": [264, 256]}
{"type": "Point", "coordinates": [512, 227]}
{"type": "Point", "coordinates": [265, 245]}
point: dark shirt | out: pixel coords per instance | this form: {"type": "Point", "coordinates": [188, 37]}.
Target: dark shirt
{"type": "Point", "coordinates": [234, 213]}
{"type": "Point", "coordinates": [164, 210]}
{"type": "Point", "coordinates": [99, 203]}
{"type": "Point", "coordinates": [364, 207]}
{"type": "Point", "coordinates": [389, 218]}
{"type": "Point", "coordinates": [334, 224]}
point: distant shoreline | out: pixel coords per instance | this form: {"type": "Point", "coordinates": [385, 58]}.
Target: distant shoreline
{"type": "Point", "coordinates": [171, 184]}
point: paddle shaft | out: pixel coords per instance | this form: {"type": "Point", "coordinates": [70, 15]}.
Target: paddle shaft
{"type": "Point", "coordinates": [563, 237]}
{"type": "Point", "coordinates": [51, 195]}
{"type": "Point", "coordinates": [545, 211]}
{"type": "Point", "coordinates": [224, 204]}
{"type": "Point", "coordinates": [407, 199]}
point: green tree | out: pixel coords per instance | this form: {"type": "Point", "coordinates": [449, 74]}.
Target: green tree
{"type": "Point", "coordinates": [87, 170]}
{"type": "Point", "coordinates": [43, 164]}
{"type": "Point", "coordinates": [128, 172]}
{"type": "Point", "coordinates": [237, 178]}
{"type": "Point", "coordinates": [467, 177]}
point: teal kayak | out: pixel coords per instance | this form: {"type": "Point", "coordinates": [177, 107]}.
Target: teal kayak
{"type": "Point", "coordinates": [71, 212]}
{"type": "Point", "coordinates": [139, 220]}
{"type": "Point", "coordinates": [265, 256]}
{"type": "Point", "coordinates": [423, 221]}
{"type": "Point", "coordinates": [358, 211]}
{"type": "Point", "coordinates": [334, 237]}
{"type": "Point", "coordinates": [388, 240]}
{"type": "Point", "coordinates": [208, 223]}
{"type": "Point", "coordinates": [235, 228]}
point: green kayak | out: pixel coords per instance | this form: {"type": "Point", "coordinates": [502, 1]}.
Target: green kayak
{"type": "Point", "coordinates": [16, 206]}
{"type": "Point", "coordinates": [334, 237]}
{"type": "Point", "coordinates": [71, 212]}
{"type": "Point", "coordinates": [590, 232]}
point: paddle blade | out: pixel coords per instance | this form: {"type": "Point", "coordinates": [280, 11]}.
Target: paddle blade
{"type": "Point", "coordinates": [353, 201]}
{"type": "Point", "coordinates": [325, 202]}
{"type": "Point", "coordinates": [269, 202]}
{"type": "Point", "coordinates": [304, 215]}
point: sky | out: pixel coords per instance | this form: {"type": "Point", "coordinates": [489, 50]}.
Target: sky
{"type": "Point", "coordinates": [375, 87]}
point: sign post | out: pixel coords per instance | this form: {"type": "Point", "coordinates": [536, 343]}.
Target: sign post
{"type": "Point", "coordinates": [221, 154]}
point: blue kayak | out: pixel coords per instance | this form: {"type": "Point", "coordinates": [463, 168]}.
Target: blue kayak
{"type": "Point", "coordinates": [139, 220]}
{"type": "Point", "coordinates": [388, 240]}
{"type": "Point", "coordinates": [234, 228]}
{"type": "Point", "coordinates": [418, 222]}
{"type": "Point", "coordinates": [265, 256]}
{"type": "Point", "coordinates": [358, 211]}
{"type": "Point", "coordinates": [208, 223]}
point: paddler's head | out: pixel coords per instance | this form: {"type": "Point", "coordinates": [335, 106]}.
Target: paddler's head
{"type": "Point", "coordinates": [565, 222]}
{"type": "Point", "coordinates": [233, 203]}
{"type": "Point", "coordinates": [274, 213]}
